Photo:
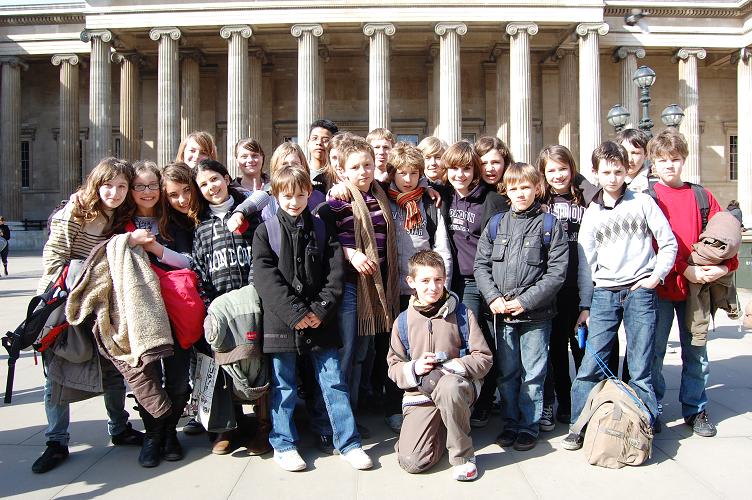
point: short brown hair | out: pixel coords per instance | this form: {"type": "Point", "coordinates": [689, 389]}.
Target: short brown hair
{"type": "Point", "coordinates": [520, 172]}
{"type": "Point", "coordinates": [425, 258]}
{"type": "Point", "coordinates": [404, 156]}
{"type": "Point", "coordinates": [488, 143]}
{"type": "Point", "coordinates": [668, 143]}
{"type": "Point", "coordinates": [290, 178]}
{"type": "Point", "coordinates": [432, 146]}
{"type": "Point", "coordinates": [462, 153]}
{"type": "Point", "coordinates": [380, 133]}
{"type": "Point", "coordinates": [204, 140]}
{"type": "Point", "coordinates": [609, 151]}
{"type": "Point", "coordinates": [563, 156]}
{"type": "Point", "coordinates": [636, 137]}
{"type": "Point", "coordinates": [352, 145]}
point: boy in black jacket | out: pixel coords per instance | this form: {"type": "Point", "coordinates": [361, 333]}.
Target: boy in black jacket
{"type": "Point", "coordinates": [519, 273]}
{"type": "Point", "coordinates": [299, 261]}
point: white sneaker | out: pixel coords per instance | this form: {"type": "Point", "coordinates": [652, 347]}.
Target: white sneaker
{"type": "Point", "coordinates": [465, 472]}
{"type": "Point", "coordinates": [546, 421]}
{"type": "Point", "coordinates": [394, 422]}
{"type": "Point", "coordinates": [289, 460]}
{"type": "Point", "coordinates": [358, 459]}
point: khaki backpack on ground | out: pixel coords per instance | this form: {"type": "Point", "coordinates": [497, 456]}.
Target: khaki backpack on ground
{"type": "Point", "coordinates": [619, 431]}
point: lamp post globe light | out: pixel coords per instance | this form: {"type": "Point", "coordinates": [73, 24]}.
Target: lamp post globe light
{"type": "Point", "coordinates": [672, 115]}
{"type": "Point", "coordinates": [617, 117]}
{"type": "Point", "coordinates": [644, 78]}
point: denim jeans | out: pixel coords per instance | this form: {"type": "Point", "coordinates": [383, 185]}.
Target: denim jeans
{"type": "Point", "coordinates": [354, 347]}
{"type": "Point", "coordinates": [58, 416]}
{"type": "Point", "coordinates": [522, 354]}
{"type": "Point", "coordinates": [284, 435]}
{"type": "Point", "coordinates": [638, 310]}
{"type": "Point", "coordinates": [695, 364]}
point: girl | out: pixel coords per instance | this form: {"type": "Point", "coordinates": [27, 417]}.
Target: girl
{"type": "Point", "coordinates": [565, 192]}
{"type": "Point", "coordinates": [432, 149]}
{"type": "Point", "coordinates": [195, 147]}
{"type": "Point", "coordinates": [495, 157]}
{"type": "Point", "coordinates": [222, 260]}
{"type": "Point", "coordinates": [250, 160]}
{"type": "Point", "coordinates": [469, 203]}
{"type": "Point", "coordinates": [166, 234]}
{"type": "Point", "coordinates": [102, 209]}
{"type": "Point", "coordinates": [290, 154]}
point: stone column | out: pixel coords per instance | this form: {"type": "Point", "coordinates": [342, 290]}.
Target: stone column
{"type": "Point", "coordinates": [434, 84]}
{"type": "Point", "coordinates": [190, 92]}
{"type": "Point", "coordinates": [744, 123]}
{"type": "Point", "coordinates": [324, 57]}
{"type": "Point", "coordinates": [502, 93]}
{"type": "Point", "coordinates": [100, 97]}
{"type": "Point", "coordinates": [450, 99]}
{"type": "Point", "coordinates": [237, 89]}
{"type": "Point", "coordinates": [520, 99]}
{"type": "Point", "coordinates": [130, 105]}
{"type": "Point", "coordinates": [378, 74]}
{"type": "Point", "coordinates": [11, 202]}
{"type": "Point", "coordinates": [67, 139]}
{"type": "Point", "coordinates": [590, 92]}
{"type": "Point", "coordinates": [568, 86]}
{"type": "Point", "coordinates": [308, 77]}
{"type": "Point", "coordinates": [689, 97]}
{"type": "Point", "coordinates": [256, 97]}
{"type": "Point", "coordinates": [630, 94]}
{"type": "Point", "coordinates": [168, 99]}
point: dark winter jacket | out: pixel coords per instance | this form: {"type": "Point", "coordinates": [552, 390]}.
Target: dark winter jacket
{"type": "Point", "coordinates": [222, 259]}
{"type": "Point", "coordinates": [518, 266]}
{"type": "Point", "coordinates": [4, 231]}
{"type": "Point", "coordinates": [465, 219]}
{"type": "Point", "coordinates": [298, 281]}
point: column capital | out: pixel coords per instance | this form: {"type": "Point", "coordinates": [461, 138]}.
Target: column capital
{"type": "Point", "coordinates": [512, 29]}
{"type": "Point", "coordinates": [442, 28]}
{"type": "Point", "coordinates": [297, 30]}
{"type": "Point", "coordinates": [685, 52]}
{"type": "Point", "coordinates": [259, 53]}
{"type": "Point", "coordinates": [622, 53]}
{"type": "Point", "coordinates": [59, 59]}
{"type": "Point", "coordinates": [584, 28]}
{"type": "Point", "coordinates": [243, 30]}
{"type": "Point", "coordinates": [88, 35]}
{"type": "Point", "coordinates": [171, 31]}
{"type": "Point", "coordinates": [14, 61]}
{"type": "Point", "coordinates": [742, 55]}
{"type": "Point", "coordinates": [120, 57]}
{"type": "Point", "coordinates": [370, 29]}
{"type": "Point", "coordinates": [192, 53]}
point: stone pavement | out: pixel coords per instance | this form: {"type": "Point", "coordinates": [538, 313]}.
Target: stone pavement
{"type": "Point", "coordinates": [682, 466]}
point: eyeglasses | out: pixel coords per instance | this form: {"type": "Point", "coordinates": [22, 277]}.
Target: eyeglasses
{"type": "Point", "coordinates": [154, 186]}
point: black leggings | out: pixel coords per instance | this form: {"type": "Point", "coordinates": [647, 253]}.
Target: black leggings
{"type": "Point", "coordinates": [563, 338]}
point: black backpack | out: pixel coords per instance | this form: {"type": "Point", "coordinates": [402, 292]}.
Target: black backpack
{"type": "Point", "coordinates": [701, 197]}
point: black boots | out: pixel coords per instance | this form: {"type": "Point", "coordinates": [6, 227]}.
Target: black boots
{"type": "Point", "coordinates": [151, 450]}
{"type": "Point", "coordinates": [53, 456]}
{"type": "Point", "coordinates": [172, 451]}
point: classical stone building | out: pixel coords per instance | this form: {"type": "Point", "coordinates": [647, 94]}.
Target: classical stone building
{"type": "Point", "coordinates": [85, 79]}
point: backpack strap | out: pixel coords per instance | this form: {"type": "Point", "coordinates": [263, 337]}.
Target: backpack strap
{"type": "Point", "coordinates": [548, 227]}
{"type": "Point", "coordinates": [587, 410]}
{"type": "Point", "coordinates": [701, 197]}
{"type": "Point", "coordinates": [402, 331]}
{"type": "Point", "coordinates": [432, 217]}
{"type": "Point", "coordinates": [493, 225]}
{"type": "Point", "coordinates": [274, 232]}
{"type": "Point", "coordinates": [462, 323]}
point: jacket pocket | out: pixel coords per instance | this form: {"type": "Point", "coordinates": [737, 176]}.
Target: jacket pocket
{"type": "Point", "coordinates": [500, 247]}
{"type": "Point", "coordinates": [532, 251]}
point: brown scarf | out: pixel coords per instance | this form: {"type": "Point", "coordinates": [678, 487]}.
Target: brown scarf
{"type": "Point", "coordinates": [429, 310]}
{"type": "Point", "coordinates": [409, 203]}
{"type": "Point", "coordinates": [377, 304]}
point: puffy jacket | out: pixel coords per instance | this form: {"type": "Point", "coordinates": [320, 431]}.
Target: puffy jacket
{"type": "Point", "coordinates": [518, 266]}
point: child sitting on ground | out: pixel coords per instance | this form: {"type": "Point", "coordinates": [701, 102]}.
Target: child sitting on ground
{"type": "Point", "coordinates": [439, 357]}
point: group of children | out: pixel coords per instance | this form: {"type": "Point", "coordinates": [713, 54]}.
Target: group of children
{"type": "Point", "coordinates": [416, 279]}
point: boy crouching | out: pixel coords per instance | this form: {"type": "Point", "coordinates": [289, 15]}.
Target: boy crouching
{"type": "Point", "coordinates": [438, 355]}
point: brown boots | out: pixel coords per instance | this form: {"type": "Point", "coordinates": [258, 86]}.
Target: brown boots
{"type": "Point", "coordinates": [259, 443]}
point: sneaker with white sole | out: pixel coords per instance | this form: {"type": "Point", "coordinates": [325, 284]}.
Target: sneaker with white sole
{"type": "Point", "coordinates": [358, 459]}
{"type": "Point", "coordinates": [465, 472]}
{"type": "Point", "coordinates": [546, 421]}
{"type": "Point", "coordinates": [290, 460]}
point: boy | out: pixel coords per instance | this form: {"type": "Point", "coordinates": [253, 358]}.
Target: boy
{"type": "Point", "coordinates": [319, 135]}
{"type": "Point", "coordinates": [441, 380]}
{"type": "Point", "coordinates": [366, 231]}
{"type": "Point", "coordinates": [302, 279]}
{"type": "Point", "coordinates": [519, 273]}
{"type": "Point", "coordinates": [676, 199]}
{"type": "Point", "coordinates": [432, 149]}
{"type": "Point", "coordinates": [382, 141]}
{"type": "Point", "coordinates": [616, 252]}
{"type": "Point", "coordinates": [635, 142]}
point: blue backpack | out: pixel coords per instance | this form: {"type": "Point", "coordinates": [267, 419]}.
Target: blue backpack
{"type": "Point", "coordinates": [460, 312]}
{"type": "Point", "coordinates": [548, 226]}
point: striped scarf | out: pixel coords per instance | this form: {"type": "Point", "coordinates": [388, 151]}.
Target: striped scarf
{"type": "Point", "coordinates": [409, 202]}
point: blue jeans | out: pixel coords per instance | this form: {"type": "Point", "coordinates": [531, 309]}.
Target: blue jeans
{"type": "Point", "coordinates": [58, 416]}
{"type": "Point", "coordinates": [354, 347]}
{"type": "Point", "coordinates": [284, 436]}
{"type": "Point", "coordinates": [638, 310]}
{"type": "Point", "coordinates": [695, 364]}
{"type": "Point", "coordinates": [522, 354]}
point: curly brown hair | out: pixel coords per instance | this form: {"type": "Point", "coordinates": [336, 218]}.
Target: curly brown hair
{"type": "Point", "coordinates": [89, 205]}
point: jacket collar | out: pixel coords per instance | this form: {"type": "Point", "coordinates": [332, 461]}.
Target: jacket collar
{"type": "Point", "coordinates": [598, 198]}
{"type": "Point", "coordinates": [532, 211]}
{"type": "Point", "coordinates": [448, 308]}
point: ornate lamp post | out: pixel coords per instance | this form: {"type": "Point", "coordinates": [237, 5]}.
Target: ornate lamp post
{"type": "Point", "coordinates": [644, 78]}
{"type": "Point", "coordinates": [672, 116]}
{"type": "Point", "coordinates": [617, 117]}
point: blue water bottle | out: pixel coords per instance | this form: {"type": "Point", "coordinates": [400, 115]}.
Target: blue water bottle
{"type": "Point", "coordinates": [581, 335]}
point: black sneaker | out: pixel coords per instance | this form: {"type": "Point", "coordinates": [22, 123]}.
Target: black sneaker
{"type": "Point", "coordinates": [524, 442]}
{"type": "Point", "coordinates": [54, 455]}
{"type": "Point", "coordinates": [325, 444]}
{"type": "Point", "coordinates": [506, 438]}
{"type": "Point", "coordinates": [129, 437]}
{"type": "Point", "coordinates": [193, 427]}
{"type": "Point", "coordinates": [657, 425]}
{"type": "Point", "coordinates": [572, 442]}
{"type": "Point", "coordinates": [479, 418]}
{"type": "Point", "coordinates": [563, 416]}
{"type": "Point", "coordinates": [364, 432]}
{"type": "Point", "coordinates": [701, 424]}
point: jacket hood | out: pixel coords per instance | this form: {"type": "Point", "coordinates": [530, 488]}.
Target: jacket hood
{"type": "Point", "coordinates": [448, 308]}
